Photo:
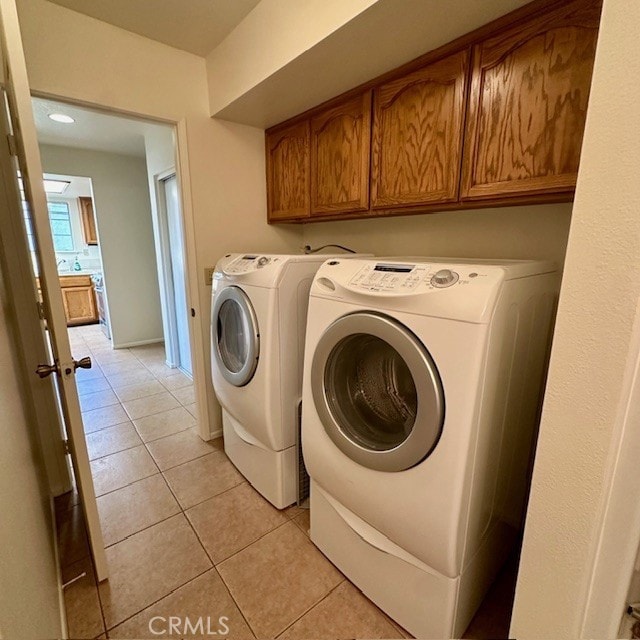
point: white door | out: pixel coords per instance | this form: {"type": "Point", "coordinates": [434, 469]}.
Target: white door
{"type": "Point", "coordinates": [176, 251]}
{"type": "Point", "coordinates": [62, 365]}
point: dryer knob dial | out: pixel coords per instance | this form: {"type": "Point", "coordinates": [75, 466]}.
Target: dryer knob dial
{"type": "Point", "coordinates": [444, 278]}
{"type": "Point", "coordinates": [263, 261]}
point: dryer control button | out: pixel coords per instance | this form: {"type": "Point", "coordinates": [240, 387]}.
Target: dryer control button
{"type": "Point", "coordinates": [444, 278]}
{"type": "Point", "coordinates": [263, 261]}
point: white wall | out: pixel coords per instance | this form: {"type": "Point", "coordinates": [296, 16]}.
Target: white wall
{"type": "Point", "coordinates": [538, 232]}
{"type": "Point", "coordinates": [125, 234]}
{"type": "Point", "coordinates": [102, 65]}
{"type": "Point", "coordinates": [598, 303]}
{"type": "Point", "coordinates": [286, 57]}
{"type": "Point", "coordinates": [29, 603]}
{"type": "Point", "coordinates": [274, 34]}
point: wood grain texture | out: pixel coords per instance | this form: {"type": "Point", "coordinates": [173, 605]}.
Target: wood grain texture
{"type": "Point", "coordinates": [340, 147]}
{"type": "Point", "coordinates": [75, 281]}
{"type": "Point", "coordinates": [417, 135]}
{"type": "Point", "coordinates": [287, 159]}
{"type": "Point", "coordinates": [87, 218]}
{"type": "Point", "coordinates": [528, 103]}
{"type": "Point", "coordinates": [79, 305]}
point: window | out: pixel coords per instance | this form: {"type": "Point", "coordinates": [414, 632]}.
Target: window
{"type": "Point", "coordinates": [60, 226]}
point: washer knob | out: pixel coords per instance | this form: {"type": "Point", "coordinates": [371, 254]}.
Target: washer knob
{"type": "Point", "coordinates": [263, 261]}
{"type": "Point", "coordinates": [444, 278]}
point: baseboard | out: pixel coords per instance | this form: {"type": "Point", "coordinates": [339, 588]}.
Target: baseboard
{"type": "Point", "coordinates": [216, 434]}
{"type": "Point", "coordinates": [139, 343]}
{"type": "Point", "coordinates": [186, 373]}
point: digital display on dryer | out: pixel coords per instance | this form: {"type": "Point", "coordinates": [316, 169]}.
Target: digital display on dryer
{"type": "Point", "coordinates": [249, 257]}
{"type": "Point", "coordinates": [394, 268]}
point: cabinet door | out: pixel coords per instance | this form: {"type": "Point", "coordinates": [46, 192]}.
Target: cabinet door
{"type": "Point", "coordinates": [528, 103]}
{"type": "Point", "coordinates": [417, 135]}
{"type": "Point", "coordinates": [88, 220]}
{"type": "Point", "coordinates": [340, 148]}
{"type": "Point", "coordinates": [79, 305]}
{"type": "Point", "coordinates": [288, 172]}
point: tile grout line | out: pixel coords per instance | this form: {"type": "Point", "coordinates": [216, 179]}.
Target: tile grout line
{"type": "Point", "coordinates": [182, 510]}
{"type": "Point", "coordinates": [120, 402]}
{"type": "Point", "coordinates": [213, 564]}
{"type": "Point", "coordinates": [235, 553]}
{"type": "Point", "coordinates": [156, 601]}
{"type": "Point", "coordinates": [313, 606]}
{"type": "Point", "coordinates": [197, 504]}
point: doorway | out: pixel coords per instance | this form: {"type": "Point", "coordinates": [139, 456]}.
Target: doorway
{"type": "Point", "coordinates": [173, 271]}
{"type": "Point", "coordinates": [139, 399]}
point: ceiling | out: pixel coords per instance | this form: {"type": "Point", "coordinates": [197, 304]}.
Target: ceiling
{"type": "Point", "coordinates": [197, 26]}
{"type": "Point", "coordinates": [91, 129]}
{"type": "Point", "coordinates": [78, 186]}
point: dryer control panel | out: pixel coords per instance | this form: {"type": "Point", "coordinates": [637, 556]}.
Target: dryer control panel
{"type": "Point", "coordinates": [404, 278]}
{"type": "Point", "coordinates": [249, 262]}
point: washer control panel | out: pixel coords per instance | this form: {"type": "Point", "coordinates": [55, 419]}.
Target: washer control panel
{"type": "Point", "coordinates": [248, 263]}
{"type": "Point", "coordinates": [401, 278]}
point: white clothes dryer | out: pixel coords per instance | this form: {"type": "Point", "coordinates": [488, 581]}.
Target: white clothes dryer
{"type": "Point", "coordinates": [258, 320]}
{"type": "Point", "coordinates": [421, 395]}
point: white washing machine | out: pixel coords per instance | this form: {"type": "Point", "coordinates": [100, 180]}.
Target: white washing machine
{"type": "Point", "coordinates": [258, 319]}
{"type": "Point", "coordinates": [421, 396]}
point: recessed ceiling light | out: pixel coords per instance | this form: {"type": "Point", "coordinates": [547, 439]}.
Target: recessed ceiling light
{"type": "Point", "coordinates": [61, 117]}
{"type": "Point", "coordinates": [56, 186]}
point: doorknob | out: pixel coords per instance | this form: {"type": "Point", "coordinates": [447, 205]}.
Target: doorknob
{"type": "Point", "coordinates": [45, 370]}
{"type": "Point", "coordinates": [83, 363]}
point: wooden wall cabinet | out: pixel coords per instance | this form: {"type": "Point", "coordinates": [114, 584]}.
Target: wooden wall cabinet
{"type": "Point", "coordinates": [493, 118]}
{"type": "Point", "coordinates": [78, 299]}
{"type": "Point", "coordinates": [340, 151]}
{"type": "Point", "coordinates": [288, 172]}
{"type": "Point", "coordinates": [88, 220]}
{"type": "Point", "coordinates": [528, 103]}
{"type": "Point", "coordinates": [417, 135]}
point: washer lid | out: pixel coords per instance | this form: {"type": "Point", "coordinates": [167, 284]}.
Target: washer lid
{"type": "Point", "coordinates": [235, 336]}
{"type": "Point", "coordinates": [377, 392]}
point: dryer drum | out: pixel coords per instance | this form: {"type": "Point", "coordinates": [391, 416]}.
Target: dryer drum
{"type": "Point", "coordinates": [371, 389]}
{"type": "Point", "coordinates": [377, 391]}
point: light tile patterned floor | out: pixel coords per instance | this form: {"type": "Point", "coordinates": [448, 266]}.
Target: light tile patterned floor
{"type": "Point", "coordinates": [185, 534]}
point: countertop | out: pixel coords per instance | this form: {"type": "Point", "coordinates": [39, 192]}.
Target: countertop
{"type": "Point", "coordinates": [83, 272]}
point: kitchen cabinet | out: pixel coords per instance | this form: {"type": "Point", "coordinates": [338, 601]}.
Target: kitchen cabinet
{"type": "Point", "coordinates": [528, 104]}
{"type": "Point", "coordinates": [288, 172]}
{"type": "Point", "coordinates": [417, 135]}
{"type": "Point", "coordinates": [88, 220]}
{"type": "Point", "coordinates": [78, 299]}
{"type": "Point", "coordinates": [340, 142]}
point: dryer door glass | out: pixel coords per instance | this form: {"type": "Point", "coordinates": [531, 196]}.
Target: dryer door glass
{"type": "Point", "coordinates": [235, 335]}
{"type": "Point", "coordinates": [371, 392]}
{"type": "Point", "coordinates": [377, 391]}
{"type": "Point", "coordinates": [232, 336]}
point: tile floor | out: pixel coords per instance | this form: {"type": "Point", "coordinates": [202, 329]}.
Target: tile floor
{"type": "Point", "coordinates": [185, 535]}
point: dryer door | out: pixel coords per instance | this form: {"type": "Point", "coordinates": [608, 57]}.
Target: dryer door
{"type": "Point", "coordinates": [377, 391]}
{"type": "Point", "coordinates": [235, 336]}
